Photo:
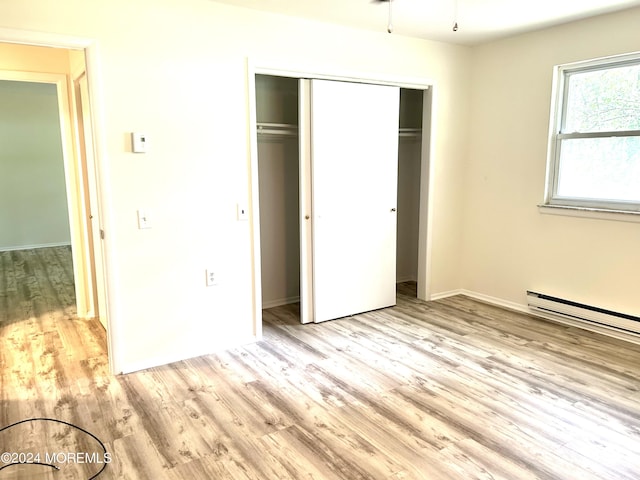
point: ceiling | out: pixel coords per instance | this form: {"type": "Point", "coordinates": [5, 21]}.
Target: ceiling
{"type": "Point", "coordinates": [479, 20]}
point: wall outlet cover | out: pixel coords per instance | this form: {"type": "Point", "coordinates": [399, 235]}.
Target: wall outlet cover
{"type": "Point", "coordinates": [212, 277]}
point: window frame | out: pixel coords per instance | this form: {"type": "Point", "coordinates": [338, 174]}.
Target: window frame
{"type": "Point", "coordinates": [560, 92]}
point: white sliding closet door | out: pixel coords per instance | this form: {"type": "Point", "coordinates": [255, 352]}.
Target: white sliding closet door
{"type": "Point", "coordinates": [353, 169]}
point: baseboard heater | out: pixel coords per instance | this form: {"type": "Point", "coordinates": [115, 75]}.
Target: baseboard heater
{"type": "Point", "coordinates": [583, 313]}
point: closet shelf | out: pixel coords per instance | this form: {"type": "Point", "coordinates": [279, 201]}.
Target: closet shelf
{"type": "Point", "coordinates": [410, 132]}
{"type": "Point", "coordinates": [285, 129]}
{"type": "Point", "coordinates": [289, 130]}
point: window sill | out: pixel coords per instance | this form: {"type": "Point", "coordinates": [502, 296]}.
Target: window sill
{"type": "Point", "coordinates": [597, 213]}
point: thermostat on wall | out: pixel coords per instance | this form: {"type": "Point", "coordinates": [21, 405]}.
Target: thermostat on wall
{"type": "Point", "coordinates": [138, 142]}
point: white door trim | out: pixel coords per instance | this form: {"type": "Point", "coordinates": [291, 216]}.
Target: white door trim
{"type": "Point", "coordinates": [330, 72]}
{"type": "Point", "coordinates": [75, 203]}
{"type": "Point", "coordinates": [305, 200]}
{"type": "Point", "coordinates": [90, 48]}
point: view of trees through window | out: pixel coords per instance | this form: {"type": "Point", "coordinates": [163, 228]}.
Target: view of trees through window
{"type": "Point", "coordinates": [604, 100]}
{"type": "Point", "coordinates": [599, 166]}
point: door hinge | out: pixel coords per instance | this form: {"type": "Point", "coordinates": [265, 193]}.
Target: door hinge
{"type": "Point", "coordinates": [101, 234]}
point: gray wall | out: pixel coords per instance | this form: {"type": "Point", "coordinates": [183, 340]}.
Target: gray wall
{"type": "Point", "coordinates": [33, 201]}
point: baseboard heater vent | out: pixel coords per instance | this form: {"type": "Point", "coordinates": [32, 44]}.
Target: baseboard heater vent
{"type": "Point", "coordinates": [584, 313]}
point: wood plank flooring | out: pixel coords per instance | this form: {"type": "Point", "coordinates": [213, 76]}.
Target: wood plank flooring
{"type": "Point", "coordinates": [452, 389]}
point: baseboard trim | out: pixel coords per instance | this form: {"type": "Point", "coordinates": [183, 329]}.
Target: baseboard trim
{"type": "Point", "coordinates": [518, 307]}
{"type": "Point", "coordinates": [168, 359]}
{"type": "Point", "coordinates": [406, 278]}
{"type": "Point", "coordinates": [279, 302]}
{"type": "Point", "coordinates": [450, 293]}
{"type": "Point", "coordinates": [523, 308]}
{"type": "Point", "coordinates": [601, 329]}
{"type": "Point", "coordinates": [31, 247]}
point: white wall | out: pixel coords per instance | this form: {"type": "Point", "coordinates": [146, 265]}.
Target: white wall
{"type": "Point", "coordinates": [509, 245]}
{"type": "Point", "coordinates": [179, 75]}
{"type": "Point", "coordinates": [33, 197]}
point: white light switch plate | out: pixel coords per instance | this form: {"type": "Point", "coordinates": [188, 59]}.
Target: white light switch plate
{"type": "Point", "coordinates": [138, 142]}
{"type": "Point", "coordinates": [143, 219]}
{"type": "Point", "coordinates": [243, 212]}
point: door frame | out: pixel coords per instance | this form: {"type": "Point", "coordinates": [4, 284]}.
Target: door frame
{"type": "Point", "coordinates": [292, 70]}
{"type": "Point", "coordinates": [81, 112]}
{"type": "Point", "coordinates": [72, 180]}
{"type": "Point", "coordinates": [72, 166]}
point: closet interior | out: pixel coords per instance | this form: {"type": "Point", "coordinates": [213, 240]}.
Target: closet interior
{"type": "Point", "coordinates": [278, 188]}
{"type": "Point", "coordinates": [277, 107]}
{"type": "Point", "coordinates": [409, 166]}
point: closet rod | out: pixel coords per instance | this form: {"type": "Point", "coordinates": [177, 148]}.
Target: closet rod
{"type": "Point", "coordinates": [286, 129]}
{"type": "Point", "coordinates": [410, 132]}
{"type": "Point", "coordinates": [277, 129]}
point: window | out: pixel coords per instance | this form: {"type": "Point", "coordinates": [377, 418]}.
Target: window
{"type": "Point", "coordinates": [594, 154]}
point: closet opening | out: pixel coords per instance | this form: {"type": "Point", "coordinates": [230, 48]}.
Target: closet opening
{"type": "Point", "coordinates": [409, 181]}
{"type": "Point", "coordinates": [278, 180]}
{"type": "Point", "coordinates": [278, 150]}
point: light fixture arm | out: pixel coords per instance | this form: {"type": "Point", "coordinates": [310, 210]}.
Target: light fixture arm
{"type": "Point", "coordinates": [455, 15]}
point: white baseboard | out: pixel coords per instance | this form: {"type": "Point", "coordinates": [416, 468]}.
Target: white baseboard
{"type": "Point", "coordinates": [601, 329]}
{"type": "Point", "coordinates": [518, 307]}
{"type": "Point", "coordinates": [522, 308]}
{"type": "Point", "coordinates": [167, 359]}
{"type": "Point", "coordinates": [30, 247]}
{"type": "Point", "coordinates": [280, 301]}
{"type": "Point", "coordinates": [406, 278]}
{"type": "Point", "coordinates": [88, 315]}
{"type": "Point", "coordinates": [482, 298]}
{"type": "Point", "coordinates": [450, 293]}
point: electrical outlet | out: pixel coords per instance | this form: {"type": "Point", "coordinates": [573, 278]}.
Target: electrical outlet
{"type": "Point", "coordinates": [212, 277]}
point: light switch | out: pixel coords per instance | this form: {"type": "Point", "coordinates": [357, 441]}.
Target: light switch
{"type": "Point", "coordinates": [242, 212]}
{"type": "Point", "coordinates": [138, 142]}
{"type": "Point", "coordinates": [143, 219]}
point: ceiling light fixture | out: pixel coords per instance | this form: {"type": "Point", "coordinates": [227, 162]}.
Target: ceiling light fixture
{"type": "Point", "coordinates": [390, 14]}
{"type": "Point", "coordinates": [455, 15]}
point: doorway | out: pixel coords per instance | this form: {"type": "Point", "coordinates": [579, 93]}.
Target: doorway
{"type": "Point", "coordinates": [20, 65]}
{"type": "Point", "coordinates": [275, 164]}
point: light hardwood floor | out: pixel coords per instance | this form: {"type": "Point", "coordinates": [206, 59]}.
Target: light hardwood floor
{"type": "Point", "coordinates": [452, 389]}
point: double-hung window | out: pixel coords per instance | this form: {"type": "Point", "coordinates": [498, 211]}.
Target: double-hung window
{"type": "Point", "coordinates": [594, 151]}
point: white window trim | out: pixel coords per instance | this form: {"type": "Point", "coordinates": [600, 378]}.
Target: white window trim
{"type": "Point", "coordinates": [627, 211]}
{"type": "Point", "coordinates": [587, 212]}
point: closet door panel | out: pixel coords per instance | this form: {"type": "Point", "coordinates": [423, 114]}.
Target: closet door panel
{"type": "Point", "coordinates": [354, 153]}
